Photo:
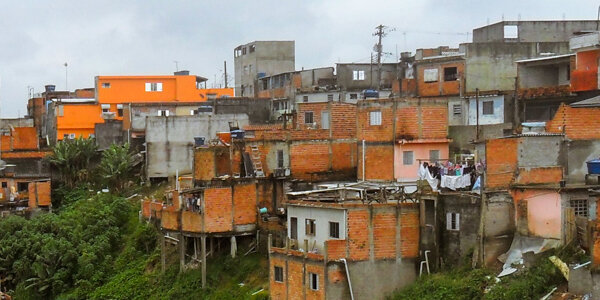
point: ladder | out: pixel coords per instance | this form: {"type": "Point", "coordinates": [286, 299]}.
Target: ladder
{"type": "Point", "coordinates": [258, 170]}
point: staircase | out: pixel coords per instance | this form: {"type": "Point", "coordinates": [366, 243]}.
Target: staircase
{"type": "Point", "coordinates": [255, 155]}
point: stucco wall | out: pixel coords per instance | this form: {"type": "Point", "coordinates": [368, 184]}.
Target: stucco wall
{"type": "Point", "coordinates": [170, 140]}
{"type": "Point", "coordinates": [322, 217]}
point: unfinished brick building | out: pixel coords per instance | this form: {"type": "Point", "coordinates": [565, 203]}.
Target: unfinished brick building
{"type": "Point", "coordinates": [339, 244]}
{"type": "Point", "coordinates": [394, 135]}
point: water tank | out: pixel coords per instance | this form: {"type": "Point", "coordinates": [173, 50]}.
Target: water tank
{"type": "Point", "coordinates": [199, 140]}
{"type": "Point", "coordinates": [50, 88]}
{"type": "Point", "coordinates": [182, 73]}
{"type": "Point", "coordinates": [593, 166]}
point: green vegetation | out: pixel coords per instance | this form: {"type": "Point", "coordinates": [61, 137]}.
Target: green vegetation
{"type": "Point", "coordinates": [465, 283]}
{"type": "Point", "coordinates": [93, 246]}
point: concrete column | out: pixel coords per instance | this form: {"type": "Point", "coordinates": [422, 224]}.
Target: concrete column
{"type": "Point", "coordinates": [203, 246]}
{"type": "Point", "coordinates": [163, 251]}
{"type": "Point", "coordinates": [233, 246]}
{"type": "Point", "coordinates": [181, 252]}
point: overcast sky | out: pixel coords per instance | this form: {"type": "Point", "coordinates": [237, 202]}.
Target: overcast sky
{"type": "Point", "coordinates": [146, 37]}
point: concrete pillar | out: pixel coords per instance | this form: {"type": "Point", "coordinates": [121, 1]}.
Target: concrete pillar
{"type": "Point", "coordinates": [181, 252]}
{"type": "Point", "coordinates": [233, 247]}
{"type": "Point", "coordinates": [203, 246]}
{"type": "Point", "coordinates": [163, 253]}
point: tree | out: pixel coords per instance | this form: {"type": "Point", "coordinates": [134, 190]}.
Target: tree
{"type": "Point", "coordinates": [72, 159]}
{"type": "Point", "coordinates": [117, 167]}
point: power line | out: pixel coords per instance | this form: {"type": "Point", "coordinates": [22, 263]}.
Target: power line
{"type": "Point", "coordinates": [380, 33]}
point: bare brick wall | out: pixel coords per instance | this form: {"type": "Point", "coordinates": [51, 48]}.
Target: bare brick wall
{"type": "Point", "coordinates": [244, 202]}
{"type": "Point", "coordinates": [501, 159]}
{"type": "Point", "coordinates": [358, 235]}
{"type": "Point", "coordinates": [277, 290]}
{"type": "Point", "coordinates": [204, 164]}
{"type": "Point", "coordinates": [379, 162]}
{"type": "Point", "coordinates": [409, 230]}
{"type": "Point", "coordinates": [217, 210]}
{"type": "Point", "coordinates": [576, 123]}
{"type": "Point", "coordinates": [540, 175]}
{"type": "Point", "coordinates": [384, 234]}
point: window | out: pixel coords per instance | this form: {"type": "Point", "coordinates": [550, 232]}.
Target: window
{"type": "Point", "coordinates": [511, 31]}
{"type": "Point", "coordinates": [22, 186]}
{"type": "Point", "coordinates": [105, 108]}
{"type": "Point", "coordinates": [375, 118]}
{"type": "Point", "coordinates": [4, 184]}
{"type": "Point", "coordinates": [280, 158]}
{"type": "Point", "coordinates": [246, 70]}
{"type": "Point", "coordinates": [193, 112]}
{"type": "Point", "coordinates": [358, 75]}
{"type": "Point", "coordinates": [308, 117]}
{"type": "Point", "coordinates": [153, 86]}
{"type": "Point", "coordinates": [120, 110]}
{"type": "Point", "coordinates": [65, 136]}
{"type": "Point", "coordinates": [305, 98]}
{"type": "Point", "coordinates": [325, 120]}
{"type": "Point", "coordinates": [450, 74]}
{"type": "Point", "coordinates": [293, 228]}
{"type": "Point", "coordinates": [430, 75]}
{"type": "Point", "coordinates": [106, 85]}
{"type": "Point", "coordinates": [72, 136]}
{"type": "Point", "coordinates": [456, 109]}
{"type": "Point", "coordinates": [313, 281]}
{"type": "Point", "coordinates": [278, 274]}
{"type": "Point", "coordinates": [244, 51]}
{"type": "Point", "coordinates": [330, 97]}
{"type": "Point", "coordinates": [407, 157]}
{"type": "Point", "coordinates": [334, 230]}
{"type": "Point", "coordinates": [353, 96]}
{"type": "Point", "coordinates": [252, 48]}
{"type": "Point", "coordinates": [163, 113]}
{"type": "Point", "coordinates": [434, 155]}
{"type": "Point", "coordinates": [452, 221]}
{"type": "Point", "coordinates": [488, 107]}
{"type": "Point", "coordinates": [580, 206]}
{"type": "Point", "coordinates": [310, 227]}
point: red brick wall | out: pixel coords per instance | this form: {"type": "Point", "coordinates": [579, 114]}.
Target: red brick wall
{"type": "Point", "coordinates": [440, 87]}
{"type": "Point", "coordinates": [204, 164]}
{"type": "Point", "coordinates": [295, 280]}
{"type": "Point", "coordinates": [379, 162]}
{"type": "Point", "coordinates": [344, 155]}
{"type": "Point", "coordinates": [576, 123]}
{"type": "Point", "coordinates": [170, 218]}
{"type": "Point", "coordinates": [25, 138]}
{"type": "Point", "coordinates": [336, 249]}
{"type": "Point", "coordinates": [409, 230]}
{"type": "Point", "coordinates": [320, 293]}
{"type": "Point", "coordinates": [358, 235]}
{"type": "Point", "coordinates": [540, 175]}
{"type": "Point", "coordinates": [217, 214]}
{"type": "Point", "coordinates": [383, 132]}
{"type": "Point", "coordinates": [244, 201]}
{"type": "Point", "coordinates": [309, 158]}
{"type": "Point", "coordinates": [277, 290]}
{"type": "Point", "coordinates": [501, 159]}
{"type": "Point", "coordinates": [384, 234]}
{"type": "Point", "coordinates": [191, 221]}
{"type": "Point", "coordinates": [434, 122]}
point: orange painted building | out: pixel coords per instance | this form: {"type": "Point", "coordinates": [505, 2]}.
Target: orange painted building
{"type": "Point", "coordinates": [74, 120]}
{"type": "Point", "coordinates": [112, 92]}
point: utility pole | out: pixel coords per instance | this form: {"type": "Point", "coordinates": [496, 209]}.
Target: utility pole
{"type": "Point", "coordinates": [66, 77]}
{"type": "Point", "coordinates": [380, 33]}
{"type": "Point", "coordinates": [225, 70]}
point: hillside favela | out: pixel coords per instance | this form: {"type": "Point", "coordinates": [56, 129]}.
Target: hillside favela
{"type": "Point", "coordinates": [300, 150]}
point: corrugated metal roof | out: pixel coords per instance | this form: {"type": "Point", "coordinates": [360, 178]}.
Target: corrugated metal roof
{"type": "Point", "coordinates": [544, 58]}
{"type": "Point", "coordinates": [591, 102]}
